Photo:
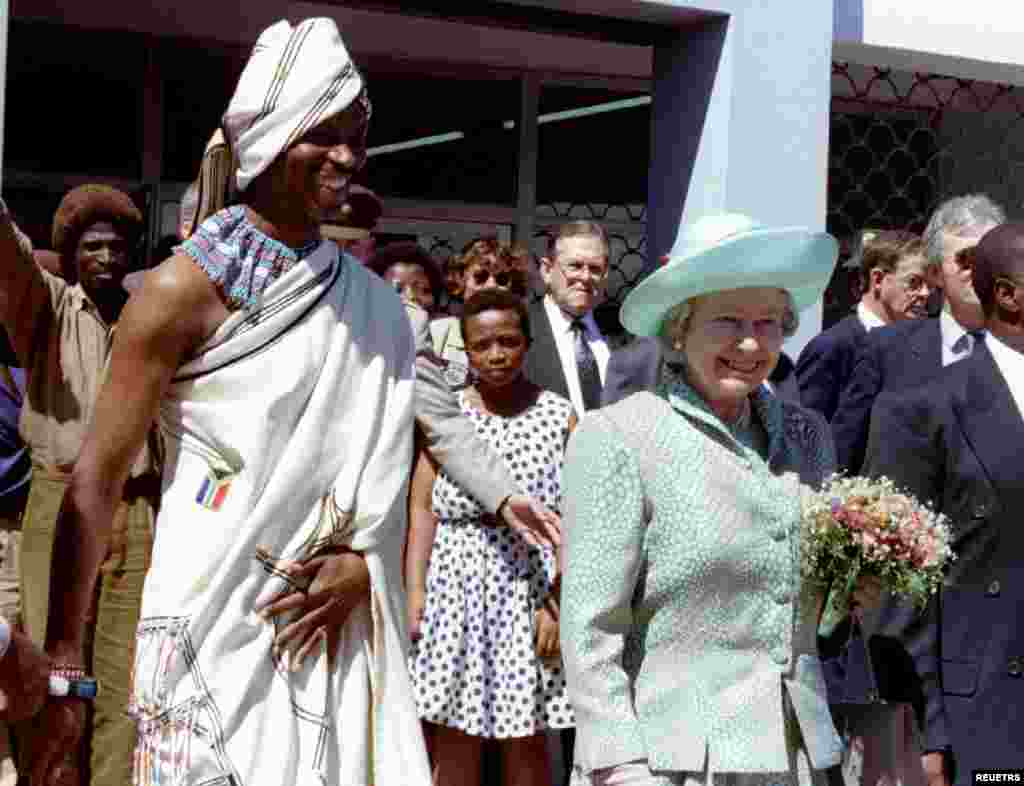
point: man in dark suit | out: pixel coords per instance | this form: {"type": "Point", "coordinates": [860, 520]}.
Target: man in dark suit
{"type": "Point", "coordinates": [908, 354]}
{"type": "Point", "coordinates": [894, 287]}
{"type": "Point", "coordinates": [957, 443]}
{"type": "Point", "coordinates": [569, 354]}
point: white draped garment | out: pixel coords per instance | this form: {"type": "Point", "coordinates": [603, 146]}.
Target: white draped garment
{"type": "Point", "coordinates": [293, 411]}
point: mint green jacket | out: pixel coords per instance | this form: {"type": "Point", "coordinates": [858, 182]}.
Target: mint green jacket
{"type": "Point", "coordinates": [687, 633]}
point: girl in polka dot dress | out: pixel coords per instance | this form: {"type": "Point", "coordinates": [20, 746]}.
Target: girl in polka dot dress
{"type": "Point", "coordinates": [485, 661]}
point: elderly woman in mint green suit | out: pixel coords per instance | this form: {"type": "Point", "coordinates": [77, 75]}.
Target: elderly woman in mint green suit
{"type": "Point", "coordinates": [687, 632]}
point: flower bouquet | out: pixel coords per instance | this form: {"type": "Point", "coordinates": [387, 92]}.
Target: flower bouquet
{"type": "Point", "coordinates": [857, 526]}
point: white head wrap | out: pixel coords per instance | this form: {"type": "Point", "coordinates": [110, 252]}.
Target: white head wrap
{"type": "Point", "coordinates": [296, 78]}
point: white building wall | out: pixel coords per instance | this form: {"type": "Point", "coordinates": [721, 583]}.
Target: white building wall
{"type": "Point", "coordinates": [763, 141]}
{"type": "Point", "coordinates": [977, 40]}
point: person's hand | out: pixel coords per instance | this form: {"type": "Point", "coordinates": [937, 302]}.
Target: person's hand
{"type": "Point", "coordinates": [24, 679]}
{"type": "Point", "coordinates": [532, 520]}
{"type": "Point", "coordinates": [867, 592]}
{"type": "Point", "coordinates": [338, 582]}
{"type": "Point", "coordinates": [56, 736]}
{"type": "Point", "coordinates": [546, 627]}
{"type": "Point", "coordinates": [416, 601]}
{"type": "Point", "coordinates": [934, 764]}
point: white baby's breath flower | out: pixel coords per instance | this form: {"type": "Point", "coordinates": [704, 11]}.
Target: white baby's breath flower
{"type": "Point", "coordinates": [854, 524]}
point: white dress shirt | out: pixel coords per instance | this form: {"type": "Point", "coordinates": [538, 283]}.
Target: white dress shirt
{"type": "Point", "coordinates": [1010, 363]}
{"type": "Point", "coordinates": [561, 327]}
{"type": "Point", "coordinates": [868, 318]}
{"type": "Point", "coordinates": [953, 349]}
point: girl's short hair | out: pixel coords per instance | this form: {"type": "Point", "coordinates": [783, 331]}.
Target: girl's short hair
{"type": "Point", "coordinates": [496, 300]}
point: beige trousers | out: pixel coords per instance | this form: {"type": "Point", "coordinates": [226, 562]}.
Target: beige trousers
{"type": "Point", "coordinates": [10, 610]}
{"type": "Point", "coordinates": [111, 736]}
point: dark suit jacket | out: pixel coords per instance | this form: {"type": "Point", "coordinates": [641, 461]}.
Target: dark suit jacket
{"type": "Point", "coordinates": [958, 442]}
{"type": "Point", "coordinates": [637, 366]}
{"type": "Point", "coordinates": [826, 363]}
{"type": "Point", "coordinates": [543, 365]}
{"type": "Point", "coordinates": [632, 368]}
{"type": "Point", "coordinates": [895, 357]}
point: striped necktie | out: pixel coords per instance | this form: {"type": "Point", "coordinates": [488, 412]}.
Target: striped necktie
{"type": "Point", "coordinates": [586, 366]}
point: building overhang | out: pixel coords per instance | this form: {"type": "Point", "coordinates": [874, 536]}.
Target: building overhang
{"type": "Point", "coordinates": [608, 38]}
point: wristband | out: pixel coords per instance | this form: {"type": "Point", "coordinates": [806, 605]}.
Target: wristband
{"type": "Point", "coordinates": [80, 688]}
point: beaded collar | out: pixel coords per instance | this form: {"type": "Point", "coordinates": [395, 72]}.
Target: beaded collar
{"type": "Point", "coordinates": [240, 260]}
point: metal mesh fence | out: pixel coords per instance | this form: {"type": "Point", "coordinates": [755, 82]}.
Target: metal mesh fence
{"type": "Point", "coordinates": [902, 142]}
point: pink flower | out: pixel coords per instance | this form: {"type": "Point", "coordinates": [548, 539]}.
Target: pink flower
{"type": "Point", "coordinates": [855, 519]}
{"type": "Point", "coordinates": [925, 553]}
{"type": "Point", "coordinates": [930, 553]}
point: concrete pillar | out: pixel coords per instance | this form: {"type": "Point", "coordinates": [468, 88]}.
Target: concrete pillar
{"type": "Point", "coordinates": [740, 122]}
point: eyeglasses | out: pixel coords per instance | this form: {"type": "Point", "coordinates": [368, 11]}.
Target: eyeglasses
{"type": "Point", "coordinates": [513, 280]}
{"type": "Point", "coordinates": [735, 329]}
{"type": "Point", "coordinates": [598, 270]}
{"type": "Point", "coordinates": [912, 282]}
{"type": "Point", "coordinates": [1015, 282]}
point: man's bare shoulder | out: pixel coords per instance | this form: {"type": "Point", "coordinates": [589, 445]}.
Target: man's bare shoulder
{"type": "Point", "coordinates": [176, 297]}
{"type": "Point", "coordinates": [178, 276]}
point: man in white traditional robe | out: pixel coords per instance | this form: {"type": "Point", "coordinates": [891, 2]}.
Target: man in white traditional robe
{"type": "Point", "coordinates": [272, 645]}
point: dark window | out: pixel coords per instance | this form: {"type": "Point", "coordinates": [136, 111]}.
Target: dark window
{"type": "Point", "coordinates": [594, 146]}
{"type": "Point", "coordinates": [198, 84]}
{"type": "Point", "coordinates": [479, 165]}
{"type": "Point", "coordinates": [73, 101]}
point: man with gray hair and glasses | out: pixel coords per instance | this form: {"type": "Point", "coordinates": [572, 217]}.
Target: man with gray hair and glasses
{"type": "Point", "coordinates": [570, 352]}
{"type": "Point", "coordinates": [896, 359]}
{"type": "Point", "coordinates": [907, 354]}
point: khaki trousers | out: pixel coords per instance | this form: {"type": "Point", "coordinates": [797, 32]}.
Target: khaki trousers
{"type": "Point", "coordinates": [10, 610]}
{"type": "Point", "coordinates": [110, 739]}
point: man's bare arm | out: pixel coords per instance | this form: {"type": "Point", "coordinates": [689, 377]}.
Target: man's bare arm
{"type": "Point", "coordinates": [23, 291]}
{"type": "Point", "coordinates": [24, 677]}
{"type": "Point", "coordinates": [161, 324]}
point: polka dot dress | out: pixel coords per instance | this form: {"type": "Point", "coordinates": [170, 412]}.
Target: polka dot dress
{"type": "Point", "coordinates": [474, 667]}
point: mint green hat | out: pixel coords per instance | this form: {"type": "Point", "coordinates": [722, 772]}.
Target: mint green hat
{"type": "Point", "coordinates": [730, 251]}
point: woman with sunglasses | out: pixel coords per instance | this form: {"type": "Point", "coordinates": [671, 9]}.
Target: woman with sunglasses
{"type": "Point", "coordinates": [485, 263]}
